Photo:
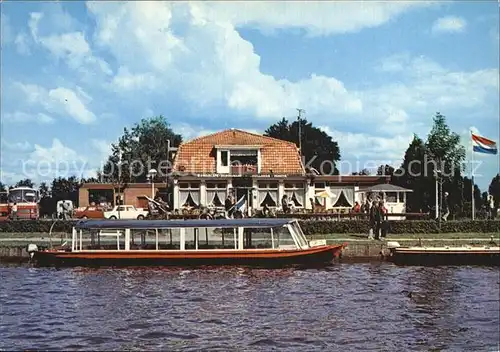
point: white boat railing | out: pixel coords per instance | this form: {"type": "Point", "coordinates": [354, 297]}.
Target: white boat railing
{"type": "Point", "coordinates": [285, 237]}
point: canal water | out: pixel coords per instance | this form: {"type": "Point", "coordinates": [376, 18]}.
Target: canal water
{"type": "Point", "coordinates": [346, 307]}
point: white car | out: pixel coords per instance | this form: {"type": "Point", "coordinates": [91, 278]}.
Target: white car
{"type": "Point", "coordinates": [126, 212]}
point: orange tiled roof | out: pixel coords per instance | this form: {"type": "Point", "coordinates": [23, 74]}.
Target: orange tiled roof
{"type": "Point", "coordinates": [199, 155]}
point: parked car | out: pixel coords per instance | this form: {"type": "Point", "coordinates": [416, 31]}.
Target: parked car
{"type": "Point", "coordinates": [90, 212]}
{"type": "Point", "coordinates": [126, 212]}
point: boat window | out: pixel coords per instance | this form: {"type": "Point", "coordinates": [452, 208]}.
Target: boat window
{"type": "Point", "coordinates": [283, 238]}
{"type": "Point", "coordinates": [257, 238]}
{"type": "Point", "coordinates": [301, 238]}
{"type": "Point", "coordinates": [146, 239]}
{"type": "Point", "coordinates": [210, 238]}
{"type": "Point", "coordinates": [261, 238]}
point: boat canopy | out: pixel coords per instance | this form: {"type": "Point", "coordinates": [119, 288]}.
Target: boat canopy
{"type": "Point", "coordinates": [171, 224]}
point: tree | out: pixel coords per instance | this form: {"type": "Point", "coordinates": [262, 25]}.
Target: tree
{"type": "Point", "coordinates": [412, 174]}
{"type": "Point", "coordinates": [47, 204]}
{"type": "Point", "coordinates": [494, 189]}
{"type": "Point", "coordinates": [444, 147]}
{"type": "Point", "coordinates": [25, 183]}
{"type": "Point", "coordinates": [364, 172]}
{"type": "Point", "coordinates": [385, 170]}
{"type": "Point", "coordinates": [138, 150]}
{"type": "Point", "coordinates": [3, 188]}
{"type": "Point", "coordinates": [65, 189]}
{"type": "Point", "coordinates": [44, 190]}
{"type": "Point", "coordinates": [319, 151]}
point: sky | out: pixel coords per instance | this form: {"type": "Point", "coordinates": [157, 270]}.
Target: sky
{"type": "Point", "coordinates": [370, 74]}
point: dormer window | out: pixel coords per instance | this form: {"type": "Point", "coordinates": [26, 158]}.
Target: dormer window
{"type": "Point", "coordinates": [236, 159]}
{"type": "Point", "coordinates": [224, 158]}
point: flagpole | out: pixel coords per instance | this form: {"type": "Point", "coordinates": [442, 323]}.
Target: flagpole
{"type": "Point", "coordinates": [472, 175]}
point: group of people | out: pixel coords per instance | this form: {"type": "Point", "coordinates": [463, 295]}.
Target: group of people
{"type": "Point", "coordinates": [377, 214]}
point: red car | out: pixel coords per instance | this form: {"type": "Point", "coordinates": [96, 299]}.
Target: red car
{"type": "Point", "coordinates": [90, 212]}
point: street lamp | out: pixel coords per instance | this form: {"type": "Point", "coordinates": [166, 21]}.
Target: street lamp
{"type": "Point", "coordinates": [437, 175]}
{"type": "Point", "coordinates": [152, 173]}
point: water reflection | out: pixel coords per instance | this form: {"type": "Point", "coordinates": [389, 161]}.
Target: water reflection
{"type": "Point", "coordinates": [344, 307]}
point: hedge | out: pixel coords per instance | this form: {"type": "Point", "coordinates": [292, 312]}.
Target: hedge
{"type": "Point", "coordinates": [309, 226]}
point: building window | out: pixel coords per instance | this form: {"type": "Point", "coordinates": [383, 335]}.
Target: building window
{"type": "Point", "coordinates": [224, 158]}
{"type": "Point", "coordinates": [342, 197]}
{"type": "Point", "coordinates": [216, 194]}
{"type": "Point", "coordinates": [296, 193]}
{"type": "Point", "coordinates": [391, 197]}
{"type": "Point", "coordinates": [319, 194]}
{"type": "Point", "coordinates": [189, 194]}
{"type": "Point", "coordinates": [401, 197]}
{"type": "Point", "coordinates": [319, 185]}
{"type": "Point", "coordinates": [268, 194]}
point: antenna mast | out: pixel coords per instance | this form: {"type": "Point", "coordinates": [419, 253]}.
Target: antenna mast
{"type": "Point", "coordinates": [300, 129]}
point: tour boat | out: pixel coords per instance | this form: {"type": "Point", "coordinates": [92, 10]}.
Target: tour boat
{"type": "Point", "coordinates": [446, 255]}
{"type": "Point", "coordinates": [245, 242]}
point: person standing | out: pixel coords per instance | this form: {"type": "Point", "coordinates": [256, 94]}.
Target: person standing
{"type": "Point", "coordinates": [285, 205]}
{"type": "Point", "coordinates": [373, 223]}
{"type": "Point", "coordinates": [384, 223]}
{"type": "Point", "coordinates": [229, 206]}
{"type": "Point", "coordinates": [378, 216]}
{"type": "Point", "coordinates": [491, 207]}
{"type": "Point", "coordinates": [14, 211]}
{"type": "Point", "coordinates": [446, 207]}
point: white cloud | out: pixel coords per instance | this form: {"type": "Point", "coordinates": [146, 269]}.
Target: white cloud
{"type": "Point", "coordinates": [72, 47]}
{"type": "Point", "coordinates": [185, 50]}
{"type": "Point", "coordinates": [102, 147]}
{"type": "Point", "coordinates": [23, 117]}
{"type": "Point", "coordinates": [59, 160]}
{"type": "Point", "coordinates": [315, 17]}
{"type": "Point", "coordinates": [124, 80]}
{"type": "Point", "coordinates": [449, 24]}
{"type": "Point", "coordinates": [22, 43]}
{"type": "Point", "coordinates": [364, 145]}
{"type": "Point", "coordinates": [188, 131]}
{"type": "Point", "coordinates": [5, 30]}
{"type": "Point", "coordinates": [15, 146]}
{"type": "Point", "coordinates": [62, 101]}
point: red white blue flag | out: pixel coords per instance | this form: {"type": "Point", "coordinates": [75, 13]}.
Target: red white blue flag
{"type": "Point", "coordinates": [483, 145]}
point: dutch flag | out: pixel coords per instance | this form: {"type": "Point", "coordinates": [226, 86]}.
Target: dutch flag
{"type": "Point", "coordinates": [483, 145]}
{"type": "Point", "coordinates": [241, 204]}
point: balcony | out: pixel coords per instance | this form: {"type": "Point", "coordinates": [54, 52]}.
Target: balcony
{"type": "Point", "coordinates": [243, 169]}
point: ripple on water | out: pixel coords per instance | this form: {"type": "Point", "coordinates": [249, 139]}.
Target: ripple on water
{"type": "Point", "coordinates": [344, 307]}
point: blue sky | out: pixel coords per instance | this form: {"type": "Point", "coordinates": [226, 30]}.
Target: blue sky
{"type": "Point", "coordinates": [370, 74]}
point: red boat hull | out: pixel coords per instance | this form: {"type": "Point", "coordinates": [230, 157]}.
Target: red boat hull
{"type": "Point", "coordinates": [316, 256]}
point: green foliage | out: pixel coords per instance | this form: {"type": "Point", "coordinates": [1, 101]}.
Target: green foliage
{"type": "Point", "coordinates": [25, 183]}
{"type": "Point", "coordinates": [494, 189]}
{"type": "Point", "coordinates": [310, 227]}
{"type": "Point", "coordinates": [413, 175]}
{"type": "Point", "coordinates": [444, 147]}
{"type": "Point", "coordinates": [3, 188]}
{"type": "Point", "coordinates": [364, 172]}
{"type": "Point", "coordinates": [317, 146]}
{"type": "Point", "coordinates": [385, 170]}
{"type": "Point", "coordinates": [138, 150]}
